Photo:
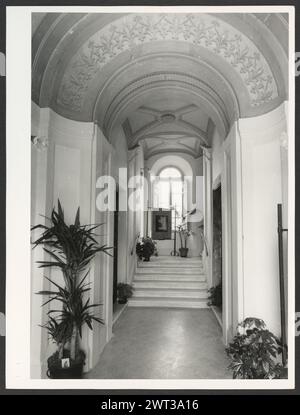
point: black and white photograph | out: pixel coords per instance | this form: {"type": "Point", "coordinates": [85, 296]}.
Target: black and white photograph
{"type": "Point", "coordinates": [151, 151]}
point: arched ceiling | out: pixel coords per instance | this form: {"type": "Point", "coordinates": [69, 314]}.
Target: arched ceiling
{"type": "Point", "coordinates": [168, 79]}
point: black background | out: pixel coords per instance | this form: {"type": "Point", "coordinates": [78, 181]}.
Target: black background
{"type": "Point", "coordinates": [91, 404]}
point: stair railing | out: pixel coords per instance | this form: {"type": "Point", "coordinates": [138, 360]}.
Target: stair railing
{"type": "Point", "coordinates": [280, 231]}
{"type": "Point", "coordinates": [134, 244]}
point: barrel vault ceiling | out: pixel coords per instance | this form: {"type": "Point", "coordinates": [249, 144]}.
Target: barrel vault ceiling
{"type": "Point", "coordinates": [168, 79]}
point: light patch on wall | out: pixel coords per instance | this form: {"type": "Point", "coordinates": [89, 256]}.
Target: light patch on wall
{"type": "Point", "coordinates": [67, 179]}
{"type": "Point", "coordinates": [2, 64]}
{"type": "Point", "coordinates": [2, 324]}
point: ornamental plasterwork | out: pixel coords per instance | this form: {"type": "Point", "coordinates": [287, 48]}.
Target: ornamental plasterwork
{"type": "Point", "coordinates": [200, 30]}
{"type": "Point", "coordinates": [152, 79]}
{"type": "Point", "coordinates": [40, 142]}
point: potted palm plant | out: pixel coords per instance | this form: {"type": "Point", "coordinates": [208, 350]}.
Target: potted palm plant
{"type": "Point", "coordinates": [71, 249]}
{"type": "Point", "coordinates": [184, 234]}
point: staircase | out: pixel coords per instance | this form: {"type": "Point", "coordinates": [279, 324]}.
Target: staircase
{"type": "Point", "coordinates": [169, 282]}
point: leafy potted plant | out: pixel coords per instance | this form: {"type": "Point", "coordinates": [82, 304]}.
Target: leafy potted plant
{"type": "Point", "coordinates": [71, 248]}
{"type": "Point", "coordinates": [184, 234]}
{"type": "Point", "coordinates": [145, 249]}
{"type": "Point", "coordinates": [125, 291]}
{"type": "Point", "coordinates": [254, 352]}
{"type": "Point", "coordinates": [215, 296]}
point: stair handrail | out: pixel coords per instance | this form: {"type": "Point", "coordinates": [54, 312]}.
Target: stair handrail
{"type": "Point", "coordinates": [134, 244]}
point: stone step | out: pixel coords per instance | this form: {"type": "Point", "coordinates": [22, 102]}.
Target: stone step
{"type": "Point", "coordinates": [160, 284]}
{"type": "Point", "coordinates": [170, 282]}
{"type": "Point", "coordinates": [170, 263]}
{"type": "Point", "coordinates": [170, 277]}
{"type": "Point", "coordinates": [167, 303]}
{"type": "Point", "coordinates": [169, 270]}
{"type": "Point", "coordinates": [174, 258]}
{"type": "Point", "coordinates": [182, 294]}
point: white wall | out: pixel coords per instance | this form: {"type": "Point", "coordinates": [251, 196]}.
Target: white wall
{"type": "Point", "coordinates": [252, 165]}
{"type": "Point", "coordinates": [262, 191]}
{"type": "Point", "coordinates": [67, 169]}
{"type": "Point", "coordinates": [102, 273]}
{"type": "Point", "coordinates": [120, 160]}
{"type": "Point", "coordinates": [217, 155]}
{"type": "Point", "coordinates": [39, 161]}
{"type": "Point", "coordinates": [136, 216]}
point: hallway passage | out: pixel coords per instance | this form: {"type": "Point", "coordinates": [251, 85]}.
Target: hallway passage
{"type": "Point", "coordinates": [164, 343]}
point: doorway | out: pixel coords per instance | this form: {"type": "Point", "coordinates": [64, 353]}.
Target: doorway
{"type": "Point", "coordinates": [115, 266]}
{"type": "Point", "coordinates": [217, 250]}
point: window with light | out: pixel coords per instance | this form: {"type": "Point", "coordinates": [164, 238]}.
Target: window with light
{"type": "Point", "coordinates": [168, 192]}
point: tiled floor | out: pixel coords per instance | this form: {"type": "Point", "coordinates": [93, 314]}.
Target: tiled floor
{"type": "Point", "coordinates": [164, 343]}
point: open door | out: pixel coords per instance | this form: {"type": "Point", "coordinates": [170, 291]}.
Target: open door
{"type": "Point", "coordinates": [217, 249]}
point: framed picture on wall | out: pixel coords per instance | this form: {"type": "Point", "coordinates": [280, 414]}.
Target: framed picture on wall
{"type": "Point", "coordinates": [161, 224]}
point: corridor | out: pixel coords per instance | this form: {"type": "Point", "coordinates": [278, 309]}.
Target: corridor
{"type": "Point", "coordinates": [156, 125]}
{"type": "Point", "coordinates": [170, 343]}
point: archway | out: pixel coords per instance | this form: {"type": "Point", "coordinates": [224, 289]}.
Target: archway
{"type": "Point", "coordinates": [151, 91]}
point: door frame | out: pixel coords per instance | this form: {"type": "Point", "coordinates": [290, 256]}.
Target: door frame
{"type": "Point", "coordinates": [116, 241]}
{"type": "Point", "coordinates": [217, 184]}
{"type": "Point", "coordinates": [232, 234]}
{"type": "Point", "coordinates": [226, 246]}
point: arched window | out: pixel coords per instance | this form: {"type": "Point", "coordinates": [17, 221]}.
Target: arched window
{"type": "Point", "coordinates": [169, 192]}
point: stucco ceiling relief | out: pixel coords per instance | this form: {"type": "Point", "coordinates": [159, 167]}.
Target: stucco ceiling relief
{"type": "Point", "coordinates": [133, 30]}
{"type": "Point", "coordinates": [169, 117]}
{"type": "Point", "coordinates": [158, 81]}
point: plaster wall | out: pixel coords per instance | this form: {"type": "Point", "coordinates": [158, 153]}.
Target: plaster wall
{"type": "Point", "coordinates": [120, 160]}
{"type": "Point", "coordinates": [217, 155]}
{"type": "Point", "coordinates": [135, 207]}
{"type": "Point", "coordinates": [67, 169]}
{"type": "Point", "coordinates": [39, 161]}
{"type": "Point", "coordinates": [253, 165]}
{"type": "Point", "coordinates": [262, 181]}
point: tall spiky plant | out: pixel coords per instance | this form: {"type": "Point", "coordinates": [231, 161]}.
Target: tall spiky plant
{"type": "Point", "coordinates": [71, 249]}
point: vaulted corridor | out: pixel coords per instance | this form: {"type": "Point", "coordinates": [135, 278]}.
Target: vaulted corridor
{"type": "Point", "coordinates": [170, 130]}
{"type": "Point", "coordinates": [156, 343]}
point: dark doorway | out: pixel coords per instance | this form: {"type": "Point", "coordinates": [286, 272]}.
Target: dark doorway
{"type": "Point", "coordinates": [217, 246]}
{"type": "Point", "coordinates": [116, 231]}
